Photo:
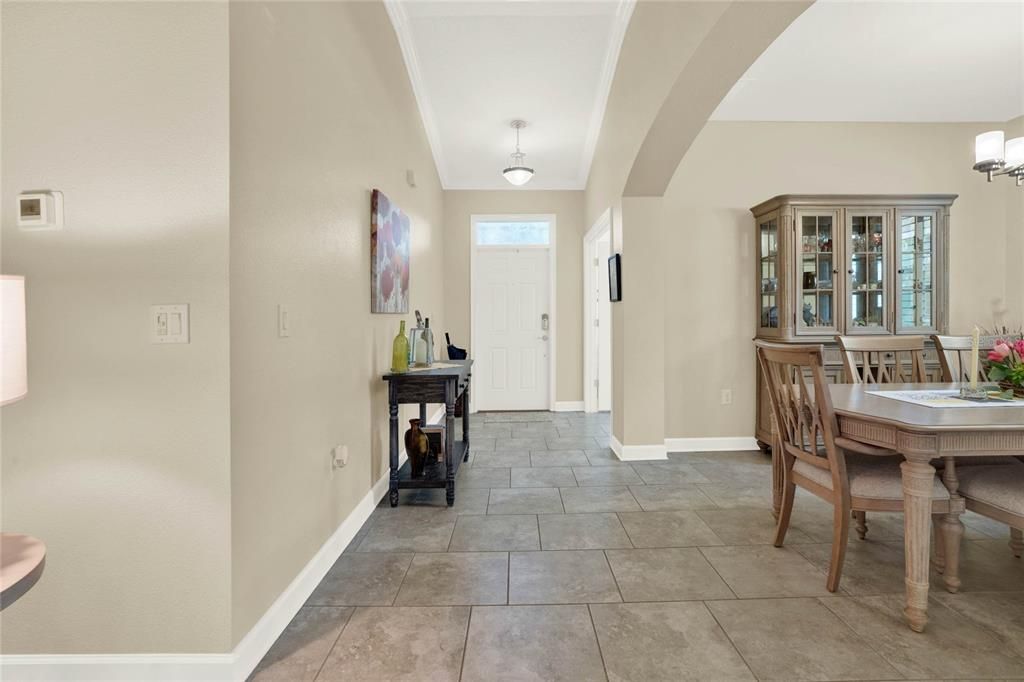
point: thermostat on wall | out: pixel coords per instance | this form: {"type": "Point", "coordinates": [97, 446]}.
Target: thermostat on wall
{"type": "Point", "coordinates": [41, 211]}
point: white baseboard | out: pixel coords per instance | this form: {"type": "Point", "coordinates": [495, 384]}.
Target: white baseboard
{"type": "Point", "coordinates": [636, 453]}
{"type": "Point", "coordinates": [568, 406]}
{"type": "Point", "coordinates": [711, 444]}
{"type": "Point", "coordinates": [230, 667]}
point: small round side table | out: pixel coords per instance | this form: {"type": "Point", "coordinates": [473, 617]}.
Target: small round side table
{"type": "Point", "coordinates": [22, 558]}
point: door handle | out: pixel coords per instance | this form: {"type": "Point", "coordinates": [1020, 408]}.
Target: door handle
{"type": "Point", "coordinates": [543, 338]}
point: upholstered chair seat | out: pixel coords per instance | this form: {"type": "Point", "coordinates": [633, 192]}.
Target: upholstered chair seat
{"type": "Point", "coordinates": [870, 478]}
{"type": "Point", "coordinates": [998, 485]}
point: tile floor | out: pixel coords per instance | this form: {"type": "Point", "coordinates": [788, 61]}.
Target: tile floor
{"type": "Point", "coordinates": [560, 563]}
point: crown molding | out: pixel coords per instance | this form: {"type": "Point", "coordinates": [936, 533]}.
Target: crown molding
{"type": "Point", "coordinates": [623, 13]}
{"type": "Point", "coordinates": [400, 22]}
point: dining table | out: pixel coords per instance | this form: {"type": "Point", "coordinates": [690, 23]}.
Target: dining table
{"type": "Point", "coordinates": [922, 434]}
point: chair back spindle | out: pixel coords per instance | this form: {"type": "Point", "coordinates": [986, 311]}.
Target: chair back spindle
{"type": "Point", "coordinates": [885, 360]}
{"type": "Point", "coordinates": [955, 357]}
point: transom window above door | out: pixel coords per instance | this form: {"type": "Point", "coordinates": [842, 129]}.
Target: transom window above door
{"type": "Point", "coordinates": [513, 233]}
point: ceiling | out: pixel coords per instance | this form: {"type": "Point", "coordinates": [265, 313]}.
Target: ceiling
{"type": "Point", "coordinates": [889, 61]}
{"type": "Point", "coordinates": [476, 66]}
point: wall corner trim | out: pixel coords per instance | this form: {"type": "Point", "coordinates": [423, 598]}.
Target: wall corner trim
{"type": "Point", "coordinates": [635, 453]}
{"type": "Point", "coordinates": [227, 667]}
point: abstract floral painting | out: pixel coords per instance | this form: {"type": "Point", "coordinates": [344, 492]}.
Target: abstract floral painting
{"type": "Point", "coordinates": [389, 256]}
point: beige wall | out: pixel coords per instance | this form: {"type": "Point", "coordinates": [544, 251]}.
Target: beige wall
{"type": "Point", "coordinates": [118, 457]}
{"type": "Point", "coordinates": [710, 311]}
{"type": "Point", "coordinates": [567, 206]}
{"type": "Point", "coordinates": [321, 113]}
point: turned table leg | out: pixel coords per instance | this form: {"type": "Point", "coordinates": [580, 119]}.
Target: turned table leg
{"type": "Point", "coordinates": [951, 528]}
{"type": "Point", "coordinates": [393, 444]}
{"type": "Point", "coordinates": [918, 479]}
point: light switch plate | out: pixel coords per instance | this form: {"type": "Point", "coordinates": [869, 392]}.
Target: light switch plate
{"type": "Point", "coordinates": [169, 323]}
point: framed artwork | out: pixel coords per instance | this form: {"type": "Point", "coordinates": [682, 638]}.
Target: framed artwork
{"type": "Point", "coordinates": [615, 277]}
{"type": "Point", "coordinates": [389, 256]}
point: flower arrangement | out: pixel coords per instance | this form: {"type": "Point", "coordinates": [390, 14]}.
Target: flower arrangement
{"type": "Point", "coordinates": [1005, 365]}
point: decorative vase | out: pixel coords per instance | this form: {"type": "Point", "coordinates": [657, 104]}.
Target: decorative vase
{"type": "Point", "coordinates": [400, 352]}
{"type": "Point", "coordinates": [417, 446]}
{"type": "Point", "coordinates": [1018, 391]}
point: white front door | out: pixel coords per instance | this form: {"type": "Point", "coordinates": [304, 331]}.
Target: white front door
{"type": "Point", "coordinates": [512, 328]}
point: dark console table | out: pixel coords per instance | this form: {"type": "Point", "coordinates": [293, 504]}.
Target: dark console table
{"type": "Point", "coordinates": [437, 385]}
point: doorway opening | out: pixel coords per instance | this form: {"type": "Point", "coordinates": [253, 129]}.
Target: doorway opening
{"type": "Point", "coordinates": [512, 304]}
{"type": "Point", "coordinates": [597, 317]}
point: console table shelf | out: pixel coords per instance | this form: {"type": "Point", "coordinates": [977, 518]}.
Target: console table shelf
{"type": "Point", "coordinates": [446, 385]}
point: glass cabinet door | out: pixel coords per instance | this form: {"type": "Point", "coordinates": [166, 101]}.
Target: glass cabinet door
{"type": "Point", "coordinates": [916, 237]}
{"type": "Point", "coordinates": [867, 249]}
{"type": "Point", "coordinates": [768, 252]}
{"type": "Point", "coordinates": [816, 267]}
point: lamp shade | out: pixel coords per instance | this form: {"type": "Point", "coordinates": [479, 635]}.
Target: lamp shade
{"type": "Point", "coordinates": [13, 346]}
{"type": "Point", "coordinates": [518, 175]}
{"type": "Point", "coordinates": [988, 147]}
{"type": "Point", "coordinates": [1015, 152]}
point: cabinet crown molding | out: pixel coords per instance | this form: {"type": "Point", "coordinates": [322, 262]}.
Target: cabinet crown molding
{"type": "Point", "coordinates": [802, 200]}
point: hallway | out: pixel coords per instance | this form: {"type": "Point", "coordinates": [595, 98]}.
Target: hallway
{"type": "Point", "coordinates": [557, 563]}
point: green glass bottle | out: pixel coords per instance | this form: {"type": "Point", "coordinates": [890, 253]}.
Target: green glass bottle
{"type": "Point", "coordinates": [400, 352]}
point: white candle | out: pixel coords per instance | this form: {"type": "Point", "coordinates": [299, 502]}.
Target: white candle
{"type": "Point", "coordinates": [974, 359]}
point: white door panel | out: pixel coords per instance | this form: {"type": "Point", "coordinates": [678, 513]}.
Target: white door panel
{"type": "Point", "coordinates": [511, 295]}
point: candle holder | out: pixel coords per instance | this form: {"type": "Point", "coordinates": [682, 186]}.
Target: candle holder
{"type": "Point", "coordinates": [976, 394]}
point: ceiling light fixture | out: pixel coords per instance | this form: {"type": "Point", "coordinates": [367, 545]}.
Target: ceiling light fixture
{"type": "Point", "coordinates": [517, 172]}
{"type": "Point", "coordinates": [993, 156]}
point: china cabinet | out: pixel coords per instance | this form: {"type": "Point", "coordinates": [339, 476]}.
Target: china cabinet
{"type": "Point", "coordinates": [850, 265]}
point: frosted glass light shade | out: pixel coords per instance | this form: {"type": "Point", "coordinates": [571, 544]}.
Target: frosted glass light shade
{"type": "Point", "coordinates": [518, 175]}
{"type": "Point", "coordinates": [1015, 152]}
{"type": "Point", "coordinates": [988, 147]}
{"type": "Point", "coordinates": [13, 346]}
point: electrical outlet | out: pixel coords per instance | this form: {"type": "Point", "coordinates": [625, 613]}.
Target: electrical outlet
{"type": "Point", "coordinates": [339, 456]}
{"type": "Point", "coordinates": [727, 396]}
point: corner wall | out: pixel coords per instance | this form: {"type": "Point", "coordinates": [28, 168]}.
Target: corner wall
{"type": "Point", "coordinates": [118, 458]}
{"type": "Point", "coordinates": [322, 112]}
{"type": "Point", "coordinates": [710, 312]}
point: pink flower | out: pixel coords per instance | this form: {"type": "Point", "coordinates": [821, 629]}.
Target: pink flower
{"type": "Point", "coordinates": [1000, 352]}
{"type": "Point", "coordinates": [1019, 347]}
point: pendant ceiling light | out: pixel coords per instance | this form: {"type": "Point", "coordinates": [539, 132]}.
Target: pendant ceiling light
{"type": "Point", "coordinates": [517, 172]}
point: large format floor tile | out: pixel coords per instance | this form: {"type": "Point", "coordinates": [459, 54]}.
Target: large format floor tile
{"type": "Point", "coordinates": [671, 498]}
{"type": "Point", "coordinates": [952, 646]}
{"type": "Point", "coordinates": [582, 531]}
{"type": "Point", "coordinates": [622, 474]}
{"type": "Point", "coordinates": [558, 458]}
{"type": "Point", "coordinates": [672, 574]}
{"type": "Point", "coordinates": [482, 477]}
{"type": "Point", "coordinates": [358, 579]}
{"type": "Point", "coordinates": [668, 529]}
{"type": "Point", "coordinates": [543, 477]}
{"type": "Point", "coordinates": [564, 577]}
{"type": "Point", "coordinates": [527, 643]}
{"type": "Point", "coordinates": [765, 571]}
{"type": "Point", "coordinates": [869, 568]}
{"type": "Point", "coordinates": [410, 530]}
{"type": "Point", "coordinates": [747, 526]}
{"type": "Point", "coordinates": [1001, 613]}
{"type": "Point", "coordinates": [455, 579]}
{"type": "Point", "coordinates": [669, 473]}
{"type": "Point", "coordinates": [302, 648]}
{"type": "Point", "coordinates": [495, 533]}
{"type": "Point", "coordinates": [411, 643]}
{"type": "Point", "coordinates": [659, 641]}
{"type": "Point", "coordinates": [525, 501]}
{"type": "Point", "coordinates": [598, 499]}
{"type": "Point", "coordinates": [798, 639]}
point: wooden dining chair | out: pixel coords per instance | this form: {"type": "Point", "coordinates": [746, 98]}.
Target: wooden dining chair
{"type": "Point", "coordinates": [955, 357]}
{"type": "Point", "coordinates": [997, 491]}
{"type": "Point", "coordinates": [883, 359]}
{"type": "Point", "coordinates": [851, 476]}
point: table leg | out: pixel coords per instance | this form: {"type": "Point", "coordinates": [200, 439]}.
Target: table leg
{"type": "Point", "coordinates": [918, 479]}
{"type": "Point", "coordinates": [465, 417]}
{"type": "Point", "coordinates": [449, 429]}
{"type": "Point", "coordinates": [951, 528]}
{"type": "Point", "coordinates": [393, 448]}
